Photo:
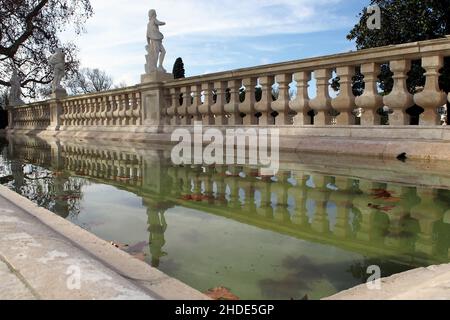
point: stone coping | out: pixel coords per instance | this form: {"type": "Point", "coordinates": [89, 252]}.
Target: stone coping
{"type": "Point", "coordinates": [432, 283]}
{"type": "Point", "coordinates": [152, 281]}
{"type": "Point", "coordinates": [419, 143]}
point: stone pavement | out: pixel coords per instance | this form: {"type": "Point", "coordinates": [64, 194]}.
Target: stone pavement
{"type": "Point", "coordinates": [43, 256]}
{"type": "Point", "coordinates": [432, 283]}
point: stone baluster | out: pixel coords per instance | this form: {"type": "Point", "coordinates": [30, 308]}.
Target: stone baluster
{"type": "Point", "coordinates": [399, 100]}
{"type": "Point", "coordinates": [264, 106]}
{"type": "Point", "coordinates": [131, 108]}
{"type": "Point", "coordinates": [70, 113]}
{"type": "Point", "coordinates": [110, 112]}
{"type": "Point", "coordinates": [92, 111]}
{"type": "Point", "coordinates": [232, 107]}
{"type": "Point", "coordinates": [130, 102]}
{"type": "Point", "coordinates": [116, 115]}
{"type": "Point", "coordinates": [322, 103]}
{"type": "Point", "coordinates": [123, 110]}
{"type": "Point", "coordinates": [80, 112]}
{"type": "Point", "coordinates": [183, 109]}
{"type": "Point", "coordinates": [432, 97]}
{"type": "Point", "coordinates": [137, 109]}
{"type": "Point", "coordinates": [172, 111]}
{"type": "Point", "coordinates": [104, 110]}
{"type": "Point", "coordinates": [205, 108]}
{"type": "Point", "coordinates": [196, 103]}
{"type": "Point", "coordinates": [85, 113]}
{"type": "Point", "coordinates": [370, 101]}
{"type": "Point", "coordinates": [281, 105]}
{"type": "Point", "coordinates": [217, 108]}
{"type": "Point", "coordinates": [98, 111]}
{"type": "Point", "coordinates": [301, 102]}
{"type": "Point", "coordinates": [345, 101]}
{"type": "Point", "coordinates": [247, 107]}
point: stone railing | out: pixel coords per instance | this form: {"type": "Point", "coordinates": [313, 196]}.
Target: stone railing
{"type": "Point", "coordinates": [33, 116]}
{"type": "Point", "coordinates": [230, 98]}
{"type": "Point", "coordinates": [246, 97]}
{"type": "Point", "coordinates": [113, 108]}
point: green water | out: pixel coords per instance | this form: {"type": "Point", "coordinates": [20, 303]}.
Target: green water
{"type": "Point", "coordinates": [312, 230]}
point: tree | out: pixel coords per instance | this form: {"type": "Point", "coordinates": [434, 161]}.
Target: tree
{"type": "Point", "coordinates": [29, 35]}
{"type": "Point", "coordinates": [178, 69]}
{"type": "Point", "coordinates": [431, 21]}
{"type": "Point", "coordinates": [3, 99]}
{"type": "Point", "coordinates": [403, 21]}
{"type": "Point", "coordinates": [89, 81]}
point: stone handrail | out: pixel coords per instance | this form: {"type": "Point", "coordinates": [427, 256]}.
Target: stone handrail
{"type": "Point", "coordinates": [245, 97]}
{"type": "Point", "coordinates": [120, 107]}
{"type": "Point", "coordinates": [228, 108]}
{"type": "Point", "coordinates": [31, 116]}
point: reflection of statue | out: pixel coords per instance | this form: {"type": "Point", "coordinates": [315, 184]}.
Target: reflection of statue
{"type": "Point", "coordinates": [157, 227]}
{"type": "Point", "coordinates": [155, 48]}
{"type": "Point", "coordinates": [16, 91]}
{"type": "Point", "coordinates": [58, 63]}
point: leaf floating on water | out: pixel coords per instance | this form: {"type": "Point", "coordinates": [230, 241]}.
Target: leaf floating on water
{"type": "Point", "coordinates": [138, 247]}
{"type": "Point", "coordinates": [119, 245]}
{"type": "Point", "coordinates": [139, 255]}
{"type": "Point", "coordinates": [381, 208]}
{"type": "Point", "coordinates": [382, 194]}
{"type": "Point", "coordinates": [196, 198]}
{"type": "Point", "coordinates": [221, 293]}
{"type": "Point", "coordinates": [123, 178]}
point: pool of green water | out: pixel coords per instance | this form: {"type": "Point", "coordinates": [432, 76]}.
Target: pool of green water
{"type": "Point", "coordinates": [313, 229]}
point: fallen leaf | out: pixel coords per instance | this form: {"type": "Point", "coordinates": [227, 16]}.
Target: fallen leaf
{"type": "Point", "coordinates": [138, 247]}
{"type": "Point", "coordinates": [119, 245]}
{"type": "Point", "coordinates": [221, 293]}
{"type": "Point", "coordinates": [139, 255]}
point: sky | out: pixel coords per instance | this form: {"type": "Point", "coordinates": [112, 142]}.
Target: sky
{"type": "Point", "coordinates": [214, 35]}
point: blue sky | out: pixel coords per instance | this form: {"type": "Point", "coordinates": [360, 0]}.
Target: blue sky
{"type": "Point", "coordinates": [215, 35]}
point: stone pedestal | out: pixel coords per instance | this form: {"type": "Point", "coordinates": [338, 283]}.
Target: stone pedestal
{"type": "Point", "coordinates": [156, 76]}
{"type": "Point", "coordinates": [59, 94]}
{"type": "Point", "coordinates": [153, 99]}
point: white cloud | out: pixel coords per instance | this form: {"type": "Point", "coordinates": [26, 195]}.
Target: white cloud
{"type": "Point", "coordinates": [203, 32]}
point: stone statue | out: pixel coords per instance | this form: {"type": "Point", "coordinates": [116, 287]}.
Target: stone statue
{"type": "Point", "coordinates": [58, 63]}
{"type": "Point", "coordinates": [155, 48]}
{"type": "Point", "coordinates": [16, 90]}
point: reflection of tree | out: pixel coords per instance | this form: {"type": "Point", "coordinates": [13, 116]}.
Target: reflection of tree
{"type": "Point", "coordinates": [52, 190]}
{"type": "Point", "coordinates": [359, 269]}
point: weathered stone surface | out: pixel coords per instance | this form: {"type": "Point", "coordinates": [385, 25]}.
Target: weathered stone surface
{"type": "Point", "coordinates": [432, 283]}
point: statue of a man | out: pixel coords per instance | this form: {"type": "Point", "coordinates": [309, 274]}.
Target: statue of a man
{"type": "Point", "coordinates": [16, 90]}
{"type": "Point", "coordinates": [58, 63]}
{"type": "Point", "coordinates": [155, 48]}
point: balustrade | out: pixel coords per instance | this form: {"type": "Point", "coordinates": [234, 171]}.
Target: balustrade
{"type": "Point", "coordinates": [232, 97]}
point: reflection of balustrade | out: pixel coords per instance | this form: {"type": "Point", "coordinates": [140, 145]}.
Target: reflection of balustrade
{"type": "Point", "coordinates": [377, 218]}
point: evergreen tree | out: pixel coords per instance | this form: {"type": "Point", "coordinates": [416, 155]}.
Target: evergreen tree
{"type": "Point", "coordinates": [178, 69]}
